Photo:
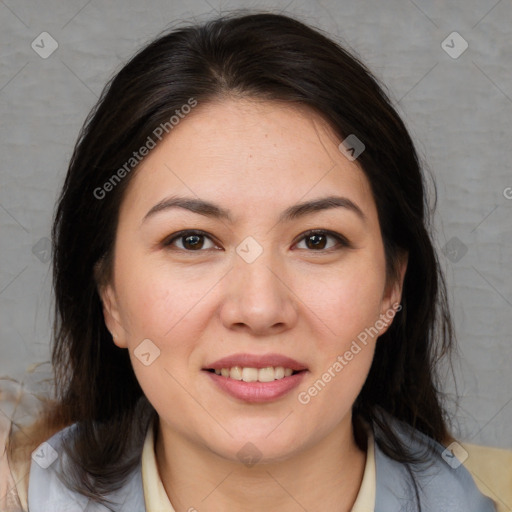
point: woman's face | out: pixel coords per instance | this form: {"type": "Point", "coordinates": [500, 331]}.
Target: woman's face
{"type": "Point", "coordinates": [253, 286]}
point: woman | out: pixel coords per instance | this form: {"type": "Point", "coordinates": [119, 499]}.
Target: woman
{"type": "Point", "coordinates": [249, 309]}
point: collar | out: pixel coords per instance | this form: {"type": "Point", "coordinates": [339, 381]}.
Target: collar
{"type": "Point", "coordinates": [156, 498]}
{"type": "Point", "coordinates": [438, 486]}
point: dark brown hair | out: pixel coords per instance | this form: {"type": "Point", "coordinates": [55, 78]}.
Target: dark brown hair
{"type": "Point", "coordinates": [265, 56]}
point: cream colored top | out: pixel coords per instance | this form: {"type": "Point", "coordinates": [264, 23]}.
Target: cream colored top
{"type": "Point", "coordinates": [156, 498]}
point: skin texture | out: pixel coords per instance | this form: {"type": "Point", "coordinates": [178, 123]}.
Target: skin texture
{"type": "Point", "coordinates": [254, 158]}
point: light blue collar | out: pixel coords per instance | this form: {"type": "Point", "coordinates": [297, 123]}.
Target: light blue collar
{"type": "Point", "coordinates": [441, 488]}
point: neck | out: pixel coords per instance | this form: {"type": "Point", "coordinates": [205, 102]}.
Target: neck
{"type": "Point", "coordinates": [326, 476]}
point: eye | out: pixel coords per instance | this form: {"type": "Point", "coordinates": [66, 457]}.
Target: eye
{"type": "Point", "coordinates": [196, 240]}
{"type": "Point", "coordinates": [190, 241]}
{"type": "Point", "coordinates": [317, 240]}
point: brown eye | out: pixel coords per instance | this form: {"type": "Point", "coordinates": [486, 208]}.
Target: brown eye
{"type": "Point", "coordinates": [190, 241]}
{"type": "Point", "coordinates": [318, 240]}
{"type": "Point", "coordinates": [193, 241]}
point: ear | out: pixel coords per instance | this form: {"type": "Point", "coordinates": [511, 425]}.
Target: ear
{"type": "Point", "coordinates": [393, 292]}
{"type": "Point", "coordinates": [111, 314]}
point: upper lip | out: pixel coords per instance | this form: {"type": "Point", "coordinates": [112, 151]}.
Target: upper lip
{"type": "Point", "coordinates": [255, 361]}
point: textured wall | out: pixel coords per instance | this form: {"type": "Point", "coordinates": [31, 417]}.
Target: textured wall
{"type": "Point", "coordinates": [457, 102]}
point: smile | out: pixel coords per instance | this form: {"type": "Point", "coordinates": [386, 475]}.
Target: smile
{"type": "Point", "coordinates": [248, 374]}
{"type": "Point", "coordinates": [254, 390]}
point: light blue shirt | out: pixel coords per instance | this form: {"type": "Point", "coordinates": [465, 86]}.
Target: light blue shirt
{"type": "Point", "coordinates": [440, 487]}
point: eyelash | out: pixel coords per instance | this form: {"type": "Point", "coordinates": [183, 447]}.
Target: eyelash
{"type": "Point", "coordinates": [341, 240]}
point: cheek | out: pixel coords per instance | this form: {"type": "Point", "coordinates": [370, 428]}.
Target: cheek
{"type": "Point", "coordinates": [331, 393]}
{"type": "Point", "coordinates": [346, 305]}
{"type": "Point", "coordinates": [170, 310]}
{"type": "Point", "coordinates": [347, 311]}
{"type": "Point", "coordinates": [346, 300]}
{"type": "Point", "coordinates": [158, 301]}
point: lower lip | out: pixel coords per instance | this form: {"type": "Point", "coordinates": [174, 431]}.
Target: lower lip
{"type": "Point", "coordinates": [257, 391]}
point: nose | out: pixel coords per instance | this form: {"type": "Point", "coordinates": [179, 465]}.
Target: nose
{"type": "Point", "coordinates": [258, 297]}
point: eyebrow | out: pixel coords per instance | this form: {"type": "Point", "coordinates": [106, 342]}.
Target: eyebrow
{"type": "Point", "coordinates": [296, 211]}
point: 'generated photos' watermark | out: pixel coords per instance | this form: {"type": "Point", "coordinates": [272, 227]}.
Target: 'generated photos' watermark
{"type": "Point", "coordinates": [137, 156]}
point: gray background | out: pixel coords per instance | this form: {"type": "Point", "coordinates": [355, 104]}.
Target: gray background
{"type": "Point", "coordinates": [459, 111]}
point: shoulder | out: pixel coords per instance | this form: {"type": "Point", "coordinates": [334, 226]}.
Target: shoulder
{"type": "Point", "coordinates": [48, 491]}
{"type": "Point", "coordinates": [24, 423]}
{"type": "Point", "coordinates": [442, 484]}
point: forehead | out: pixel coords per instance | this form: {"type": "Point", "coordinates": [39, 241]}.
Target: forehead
{"type": "Point", "coordinates": [248, 153]}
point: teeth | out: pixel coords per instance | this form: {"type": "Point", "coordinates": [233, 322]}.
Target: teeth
{"type": "Point", "coordinates": [235, 373]}
{"type": "Point", "coordinates": [265, 374]}
{"type": "Point", "coordinates": [268, 374]}
{"type": "Point", "coordinates": [250, 374]}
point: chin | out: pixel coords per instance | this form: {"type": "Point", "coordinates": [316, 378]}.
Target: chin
{"type": "Point", "coordinates": [260, 445]}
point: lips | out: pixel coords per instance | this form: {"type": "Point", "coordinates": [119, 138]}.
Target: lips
{"type": "Point", "coordinates": [256, 392]}
{"type": "Point", "coordinates": [256, 361]}
{"type": "Point", "coordinates": [256, 378]}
